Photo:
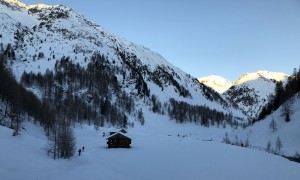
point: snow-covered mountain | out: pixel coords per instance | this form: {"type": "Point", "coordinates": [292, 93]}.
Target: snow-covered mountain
{"type": "Point", "coordinates": [40, 37]}
{"type": "Point", "coordinates": [250, 92]}
{"type": "Point", "coordinates": [217, 83]}
{"type": "Point", "coordinates": [253, 90]}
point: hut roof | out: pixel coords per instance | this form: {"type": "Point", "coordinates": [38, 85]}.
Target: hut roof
{"type": "Point", "coordinates": [118, 135]}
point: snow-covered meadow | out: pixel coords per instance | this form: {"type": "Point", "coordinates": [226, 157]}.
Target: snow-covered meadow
{"type": "Point", "coordinates": [156, 153]}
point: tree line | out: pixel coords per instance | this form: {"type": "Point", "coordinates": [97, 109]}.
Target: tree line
{"type": "Point", "coordinates": [184, 112]}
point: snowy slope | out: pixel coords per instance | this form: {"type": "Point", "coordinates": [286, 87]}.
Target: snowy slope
{"type": "Point", "coordinates": [161, 155]}
{"type": "Point", "coordinates": [250, 92]}
{"type": "Point", "coordinates": [259, 134]}
{"type": "Point", "coordinates": [58, 31]}
{"type": "Point", "coordinates": [218, 83]}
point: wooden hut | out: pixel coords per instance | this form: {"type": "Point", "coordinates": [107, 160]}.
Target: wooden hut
{"type": "Point", "coordinates": [118, 140]}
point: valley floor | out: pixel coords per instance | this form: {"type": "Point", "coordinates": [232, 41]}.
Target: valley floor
{"type": "Point", "coordinates": [155, 155]}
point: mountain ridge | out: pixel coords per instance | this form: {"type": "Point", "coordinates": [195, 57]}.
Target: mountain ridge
{"type": "Point", "coordinates": [216, 81]}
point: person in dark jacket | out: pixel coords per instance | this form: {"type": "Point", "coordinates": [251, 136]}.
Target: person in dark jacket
{"type": "Point", "coordinates": [79, 152]}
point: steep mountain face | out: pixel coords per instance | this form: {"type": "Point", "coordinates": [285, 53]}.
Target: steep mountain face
{"type": "Point", "coordinates": [250, 92]}
{"type": "Point", "coordinates": [80, 61]}
{"type": "Point", "coordinates": [217, 83]}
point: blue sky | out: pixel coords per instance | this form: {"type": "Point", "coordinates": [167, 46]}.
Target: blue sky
{"type": "Point", "coordinates": [204, 37]}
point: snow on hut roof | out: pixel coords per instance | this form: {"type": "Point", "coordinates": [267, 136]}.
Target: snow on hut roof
{"type": "Point", "coordinates": [115, 134]}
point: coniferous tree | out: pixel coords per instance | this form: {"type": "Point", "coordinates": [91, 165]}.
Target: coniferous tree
{"type": "Point", "coordinates": [125, 122]}
{"type": "Point", "coordinates": [279, 144]}
{"type": "Point", "coordinates": [279, 94]}
{"type": "Point", "coordinates": [141, 116]}
{"type": "Point", "coordinates": [273, 125]}
{"type": "Point", "coordinates": [269, 146]}
{"type": "Point", "coordinates": [286, 110]}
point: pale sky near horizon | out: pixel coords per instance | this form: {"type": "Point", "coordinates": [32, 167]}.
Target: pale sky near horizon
{"type": "Point", "coordinates": [204, 37]}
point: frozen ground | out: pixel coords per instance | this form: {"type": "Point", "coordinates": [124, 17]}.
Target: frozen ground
{"type": "Point", "coordinates": [156, 153]}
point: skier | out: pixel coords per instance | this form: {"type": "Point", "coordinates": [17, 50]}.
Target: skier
{"type": "Point", "coordinates": [82, 148]}
{"type": "Point", "coordinates": [79, 152]}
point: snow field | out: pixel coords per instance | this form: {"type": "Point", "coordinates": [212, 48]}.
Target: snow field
{"type": "Point", "coordinates": [155, 154]}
